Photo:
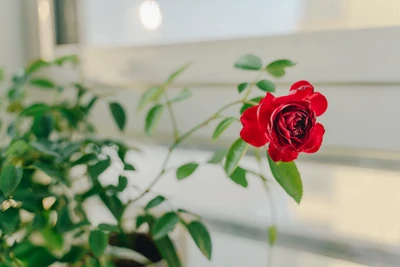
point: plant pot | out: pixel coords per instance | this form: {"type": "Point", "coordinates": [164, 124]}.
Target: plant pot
{"type": "Point", "coordinates": [139, 242]}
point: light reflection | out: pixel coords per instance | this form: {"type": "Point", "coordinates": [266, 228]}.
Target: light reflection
{"type": "Point", "coordinates": [150, 14]}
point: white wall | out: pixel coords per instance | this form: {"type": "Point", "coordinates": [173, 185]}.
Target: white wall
{"type": "Point", "coordinates": [12, 53]}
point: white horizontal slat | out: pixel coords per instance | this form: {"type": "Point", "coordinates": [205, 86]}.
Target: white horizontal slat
{"type": "Point", "coordinates": [329, 57]}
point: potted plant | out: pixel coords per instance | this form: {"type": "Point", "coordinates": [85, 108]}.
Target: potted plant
{"type": "Point", "coordinates": [52, 160]}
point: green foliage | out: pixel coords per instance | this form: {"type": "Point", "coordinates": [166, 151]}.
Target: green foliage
{"type": "Point", "coordinates": [266, 86]}
{"type": "Point", "coordinates": [287, 175]}
{"type": "Point", "coordinates": [98, 242]}
{"type": "Point", "coordinates": [250, 103]}
{"type": "Point", "coordinates": [217, 157]}
{"type": "Point", "coordinates": [177, 73]}
{"type": "Point", "coordinates": [272, 234]}
{"type": "Point", "coordinates": [182, 95]}
{"type": "Point", "coordinates": [150, 95]}
{"type": "Point", "coordinates": [10, 178]}
{"type": "Point", "coordinates": [201, 237]}
{"type": "Point", "coordinates": [43, 83]}
{"type": "Point", "coordinates": [164, 225]}
{"type": "Point", "coordinates": [118, 114]}
{"type": "Point", "coordinates": [186, 170]}
{"type": "Point", "coordinates": [235, 154]}
{"type": "Point", "coordinates": [248, 62]}
{"type": "Point", "coordinates": [242, 86]}
{"type": "Point", "coordinates": [278, 68]}
{"type": "Point", "coordinates": [239, 177]}
{"type": "Point", "coordinates": [168, 251]}
{"type": "Point", "coordinates": [155, 202]}
{"type": "Point", "coordinates": [152, 118]}
{"type": "Point", "coordinates": [222, 126]}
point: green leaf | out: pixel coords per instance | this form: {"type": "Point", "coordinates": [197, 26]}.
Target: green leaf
{"type": "Point", "coordinates": [182, 95]}
{"type": "Point", "coordinates": [152, 118]}
{"type": "Point", "coordinates": [287, 175]}
{"type": "Point", "coordinates": [186, 170]}
{"type": "Point", "coordinates": [43, 125]}
{"type": "Point", "coordinates": [248, 62]}
{"type": "Point", "coordinates": [266, 86]}
{"type": "Point", "coordinates": [247, 105]}
{"type": "Point", "coordinates": [98, 168]}
{"type": "Point", "coordinates": [52, 171]}
{"type": "Point", "coordinates": [74, 255]}
{"type": "Point", "coordinates": [168, 252]}
{"type": "Point", "coordinates": [17, 148]}
{"type": "Point", "coordinates": [122, 183]}
{"type": "Point", "coordinates": [217, 157]}
{"type": "Point", "coordinates": [272, 234]}
{"type": "Point", "coordinates": [44, 148]}
{"type": "Point", "coordinates": [235, 154]}
{"type": "Point", "coordinates": [74, 59]}
{"type": "Point", "coordinates": [36, 65]}
{"type": "Point", "coordinates": [241, 87]}
{"type": "Point", "coordinates": [35, 109]}
{"type": "Point", "coordinates": [164, 225]}
{"type": "Point", "coordinates": [201, 237]}
{"type": "Point", "coordinates": [155, 202]}
{"type": "Point", "coordinates": [175, 75]}
{"type": "Point", "coordinates": [43, 83]}
{"type": "Point", "coordinates": [85, 159]}
{"type": "Point", "coordinates": [53, 239]}
{"type": "Point", "coordinates": [222, 126]}
{"type": "Point", "coordinates": [10, 178]}
{"type": "Point", "coordinates": [91, 103]}
{"type": "Point", "coordinates": [277, 68]}
{"type": "Point", "coordinates": [129, 167]}
{"type": "Point", "coordinates": [70, 149]}
{"type": "Point", "coordinates": [141, 219]}
{"type": "Point", "coordinates": [9, 219]}
{"type": "Point", "coordinates": [98, 242]}
{"type": "Point", "coordinates": [108, 228]}
{"type": "Point", "coordinates": [239, 177]}
{"type": "Point", "coordinates": [118, 115]}
{"type": "Point", "coordinates": [150, 95]}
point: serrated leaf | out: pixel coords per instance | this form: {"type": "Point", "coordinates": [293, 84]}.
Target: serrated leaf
{"type": "Point", "coordinates": [98, 242]}
{"type": "Point", "coordinates": [222, 126]}
{"type": "Point", "coordinates": [10, 178]}
{"type": "Point", "coordinates": [118, 114]}
{"type": "Point", "coordinates": [266, 86]}
{"type": "Point", "coordinates": [150, 95]}
{"type": "Point", "coordinates": [35, 109]}
{"type": "Point", "coordinates": [217, 157]}
{"type": "Point", "coordinates": [239, 177]}
{"type": "Point", "coordinates": [272, 234]}
{"type": "Point", "coordinates": [168, 252]}
{"type": "Point", "coordinates": [248, 105]}
{"type": "Point", "coordinates": [178, 72]}
{"type": "Point", "coordinates": [241, 87]}
{"type": "Point", "coordinates": [43, 83]}
{"type": "Point", "coordinates": [201, 237]}
{"type": "Point", "coordinates": [287, 175]}
{"type": "Point", "coordinates": [164, 225]}
{"type": "Point", "coordinates": [155, 202]}
{"type": "Point", "coordinates": [182, 95]}
{"type": "Point", "coordinates": [186, 170]}
{"type": "Point", "coordinates": [248, 62]}
{"type": "Point", "coordinates": [277, 68]}
{"type": "Point", "coordinates": [235, 154]}
{"type": "Point", "coordinates": [152, 118]}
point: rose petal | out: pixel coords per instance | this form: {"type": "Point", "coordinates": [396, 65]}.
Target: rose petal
{"type": "Point", "coordinates": [295, 96]}
{"type": "Point", "coordinates": [265, 110]}
{"type": "Point", "coordinates": [318, 103]}
{"type": "Point", "coordinates": [251, 132]}
{"type": "Point", "coordinates": [284, 155]}
{"type": "Point", "coordinates": [301, 85]}
{"type": "Point", "coordinates": [315, 140]}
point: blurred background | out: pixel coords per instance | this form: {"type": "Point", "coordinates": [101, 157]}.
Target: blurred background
{"type": "Point", "coordinates": [349, 49]}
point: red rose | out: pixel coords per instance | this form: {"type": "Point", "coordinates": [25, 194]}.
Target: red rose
{"type": "Point", "coordinates": [287, 123]}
